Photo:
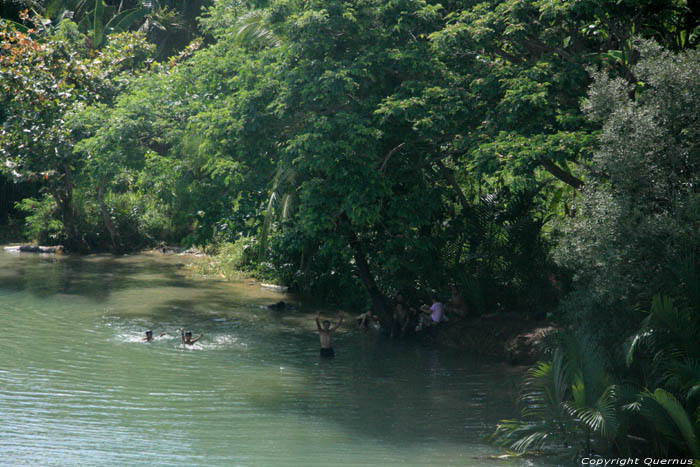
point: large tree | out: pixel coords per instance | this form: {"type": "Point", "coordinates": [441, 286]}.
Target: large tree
{"type": "Point", "coordinates": [639, 217]}
{"type": "Point", "coordinates": [46, 75]}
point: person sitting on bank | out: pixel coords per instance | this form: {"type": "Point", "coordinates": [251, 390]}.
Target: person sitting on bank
{"type": "Point", "coordinates": [433, 315]}
{"type": "Point", "coordinates": [457, 305]}
{"type": "Point", "coordinates": [401, 317]}
{"type": "Point", "coordinates": [187, 337]}
{"type": "Point", "coordinates": [324, 333]}
{"type": "Point", "coordinates": [149, 336]}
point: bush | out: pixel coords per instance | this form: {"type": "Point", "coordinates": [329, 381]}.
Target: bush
{"type": "Point", "coordinates": [41, 225]}
{"type": "Point", "coordinates": [639, 211]}
{"type": "Point", "coordinates": [230, 260]}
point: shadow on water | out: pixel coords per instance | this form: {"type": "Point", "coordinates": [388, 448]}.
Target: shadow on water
{"type": "Point", "coordinates": [93, 277]}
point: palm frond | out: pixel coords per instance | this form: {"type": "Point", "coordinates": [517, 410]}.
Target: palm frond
{"type": "Point", "coordinates": [669, 417]}
{"type": "Point", "coordinates": [601, 418]}
{"type": "Point", "coordinates": [281, 202]}
{"type": "Point", "coordinates": [523, 436]}
{"type": "Point", "coordinates": [250, 29]}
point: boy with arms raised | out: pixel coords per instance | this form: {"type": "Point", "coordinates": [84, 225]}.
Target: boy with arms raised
{"type": "Point", "coordinates": [324, 333]}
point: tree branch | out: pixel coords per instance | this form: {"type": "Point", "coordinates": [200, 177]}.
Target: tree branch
{"type": "Point", "coordinates": [388, 156]}
{"type": "Point", "coordinates": [449, 176]}
{"type": "Point", "coordinates": [562, 174]}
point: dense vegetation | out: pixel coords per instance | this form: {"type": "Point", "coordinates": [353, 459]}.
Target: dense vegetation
{"type": "Point", "coordinates": [541, 157]}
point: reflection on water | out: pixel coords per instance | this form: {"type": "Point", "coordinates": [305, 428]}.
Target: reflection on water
{"type": "Point", "coordinates": [80, 387]}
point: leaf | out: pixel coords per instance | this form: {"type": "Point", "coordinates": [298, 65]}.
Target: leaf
{"type": "Point", "coordinates": [97, 27]}
{"type": "Point", "coordinates": [677, 420]}
{"type": "Point", "coordinates": [125, 19]}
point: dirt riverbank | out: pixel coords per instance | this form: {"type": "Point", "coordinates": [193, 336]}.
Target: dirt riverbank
{"type": "Point", "coordinates": [504, 336]}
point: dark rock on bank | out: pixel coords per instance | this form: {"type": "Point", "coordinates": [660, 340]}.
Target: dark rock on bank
{"type": "Point", "coordinates": [505, 336]}
{"type": "Point", "coordinates": [525, 348]}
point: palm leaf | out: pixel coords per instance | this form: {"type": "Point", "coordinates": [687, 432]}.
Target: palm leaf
{"type": "Point", "coordinates": [250, 29]}
{"type": "Point", "coordinates": [283, 193]}
{"type": "Point", "coordinates": [602, 417]}
{"type": "Point", "coordinates": [670, 418]}
{"type": "Point", "coordinates": [97, 26]}
{"type": "Point", "coordinates": [523, 436]}
{"type": "Point", "coordinates": [125, 19]}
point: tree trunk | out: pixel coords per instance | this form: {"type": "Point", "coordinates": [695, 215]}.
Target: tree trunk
{"type": "Point", "coordinates": [379, 302]}
{"type": "Point", "coordinates": [449, 176]}
{"type": "Point", "coordinates": [64, 201]}
{"type": "Point", "coordinates": [111, 228]}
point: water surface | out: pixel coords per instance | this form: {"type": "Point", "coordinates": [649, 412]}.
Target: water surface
{"type": "Point", "coordinates": [78, 387]}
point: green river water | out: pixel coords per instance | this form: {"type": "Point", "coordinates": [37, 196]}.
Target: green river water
{"type": "Point", "coordinates": [78, 387]}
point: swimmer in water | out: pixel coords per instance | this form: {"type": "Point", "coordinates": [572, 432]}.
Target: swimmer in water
{"type": "Point", "coordinates": [149, 336]}
{"type": "Point", "coordinates": [325, 331]}
{"type": "Point", "coordinates": [187, 337]}
{"type": "Point", "coordinates": [280, 306]}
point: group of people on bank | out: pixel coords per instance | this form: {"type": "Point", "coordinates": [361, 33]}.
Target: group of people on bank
{"type": "Point", "coordinates": [406, 319]}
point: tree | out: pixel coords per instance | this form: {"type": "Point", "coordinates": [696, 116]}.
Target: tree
{"type": "Point", "coordinates": [525, 64]}
{"type": "Point", "coordinates": [170, 25]}
{"type": "Point", "coordinates": [176, 129]}
{"type": "Point", "coordinates": [46, 74]}
{"type": "Point", "coordinates": [639, 214]}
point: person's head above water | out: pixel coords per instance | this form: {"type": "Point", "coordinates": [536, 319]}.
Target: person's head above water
{"type": "Point", "coordinates": [326, 324]}
{"type": "Point", "coordinates": [187, 337]}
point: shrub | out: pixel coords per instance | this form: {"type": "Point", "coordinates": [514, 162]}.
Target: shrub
{"type": "Point", "coordinates": [41, 224]}
{"type": "Point", "coordinates": [639, 211]}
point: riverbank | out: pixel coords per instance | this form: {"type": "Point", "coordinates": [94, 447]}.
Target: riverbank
{"type": "Point", "coordinates": [503, 336]}
{"type": "Point", "coordinates": [57, 249]}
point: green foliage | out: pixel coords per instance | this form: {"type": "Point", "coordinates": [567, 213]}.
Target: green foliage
{"type": "Point", "coordinates": [635, 235]}
{"type": "Point", "coordinates": [169, 24]}
{"type": "Point", "coordinates": [666, 349]}
{"type": "Point", "coordinates": [170, 129]}
{"type": "Point", "coordinates": [568, 403]}
{"type": "Point", "coordinates": [140, 220]}
{"type": "Point", "coordinates": [50, 75]}
{"type": "Point", "coordinates": [41, 226]}
{"type": "Point", "coordinates": [230, 260]}
{"type": "Point", "coordinates": [669, 417]}
{"type": "Point", "coordinates": [639, 212]}
{"type": "Point", "coordinates": [572, 402]}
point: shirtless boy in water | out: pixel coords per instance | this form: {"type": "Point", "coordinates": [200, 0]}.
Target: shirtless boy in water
{"type": "Point", "coordinates": [187, 337]}
{"type": "Point", "coordinates": [324, 333]}
{"type": "Point", "coordinates": [149, 336]}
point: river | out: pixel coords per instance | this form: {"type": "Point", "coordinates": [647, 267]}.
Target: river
{"type": "Point", "coordinates": [78, 387]}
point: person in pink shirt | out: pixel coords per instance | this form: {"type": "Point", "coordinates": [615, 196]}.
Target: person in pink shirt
{"type": "Point", "coordinates": [433, 315]}
{"type": "Point", "coordinates": [437, 312]}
